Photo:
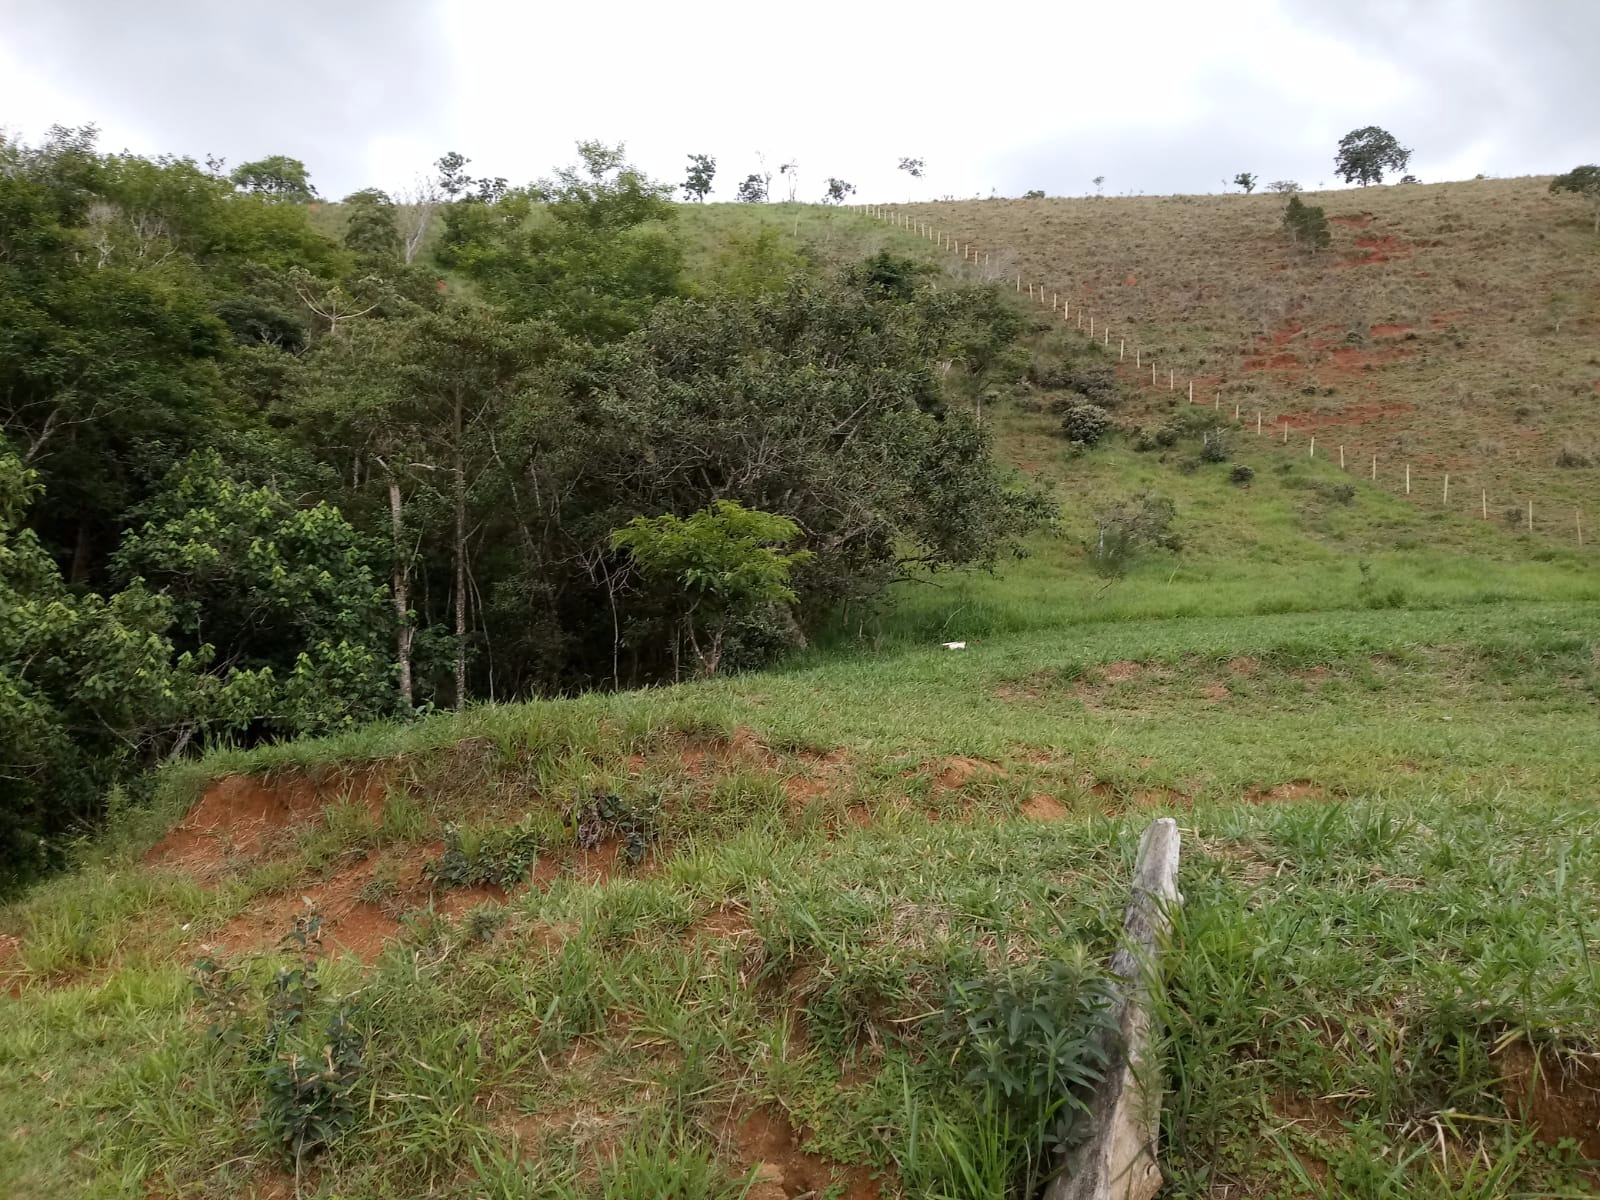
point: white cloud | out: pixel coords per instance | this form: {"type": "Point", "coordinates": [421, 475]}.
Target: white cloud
{"type": "Point", "coordinates": [1159, 95]}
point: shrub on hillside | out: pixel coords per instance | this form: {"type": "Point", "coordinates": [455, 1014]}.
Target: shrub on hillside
{"type": "Point", "coordinates": [1123, 529]}
{"type": "Point", "coordinates": [1241, 475]}
{"type": "Point", "coordinates": [1307, 225]}
{"type": "Point", "coordinates": [1214, 449]}
{"type": "Point", "coordinates": [1095, 383]}
{"type": "Point", "coordinates": [1571, 456]}
{"type": "Point", "coordinates": [1085, 424]}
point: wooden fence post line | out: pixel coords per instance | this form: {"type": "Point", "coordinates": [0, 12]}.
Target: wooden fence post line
{"type": "Point", "coordinates": [1105, 331]}
{"type": "Point", "coordinates": [1530, 516]}
{"type": "Point", "coordinates": [1091, 326]}
{"type": "Point", "coordinates": [1235, 410]}
{"type": "Point", "coordinates": [1216, 402]}
{"type": "Point", "coordinates": [1341, 458]}
{"type": "Point", "coordinates": [1152, 374]}
{"type": "Point", "coordinates": [1258, 422]}
{"type": "Point", "coordinates": [1374, 466]}
{"type": "Point", "coordinates": [1313, 451]}
{"type": "Point", "coordinates": [1408, 479]}
{"type": "Point", "coordinates": [1286, 433]}
{"type": "Point", "coordinates": [1577, 515]}
{"type": "Point", "coordinates": [1122, 349]}
{"type": "Point", "coordinates": [1137, 354]}
{"type": "Point", "coordinates": [1447, 489]}
{"type": "Point", "coordinates": [1486, 504]}
{"type": "Point", "coordinates": [1191, 391]}
{"type": "Point", "coordinates": [1172, 379]}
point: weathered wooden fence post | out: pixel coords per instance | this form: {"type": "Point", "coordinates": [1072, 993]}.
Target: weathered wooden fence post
{"type": "Point", "coordinates": [1117, 1158]}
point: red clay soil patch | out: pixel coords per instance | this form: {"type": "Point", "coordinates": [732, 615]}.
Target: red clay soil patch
{"type": "Point", "coordinates": [1242, 665]}
{"type": "Point", "coordinates": [959, 769]}
{"type": "Point", "coordinates": [1358, 221]}
{"type": "Point", "coordinates": [1440, 319]}
{"type": "Point", "coordinates": [726, 923]}
{"type": "Point", "coordinates": [1161, 797]}
{"type": "Point", "coordinates": [1121, 672]}
{"type": "Point", "coordinates": [1274, 362]}
{"type": "Point", "coordinates": [348, 922]}
{"type": "Point", "coordinates": [1389, 331]}
{"type": "Point", "coordinates": [1042, 806]}
{"type": "Point", "coordinates": [1560, 1097]}
{"type": "Point", "coordinates": [701, 757]}
{"type": "Point", "coordinates": [1215, 693]}
{"type": "Point", "coordinates": [765, 1140]}
{"type": "Point", "coordinates": [818, 779]}
{"type": "Point", "coordinates": [1287, 793]}
{"type": "Point", "coordinates": [1376, 249]}
{"type": "Point", "coordinates": [1353, 358]}
{"type": "Point", "coordinates": [240, 813]}
{"type": "Point", "coordinates": [954, 771]}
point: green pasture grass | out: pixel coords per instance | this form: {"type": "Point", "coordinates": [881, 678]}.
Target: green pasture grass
{"type": "Point", "coordinates": [1342, 973]}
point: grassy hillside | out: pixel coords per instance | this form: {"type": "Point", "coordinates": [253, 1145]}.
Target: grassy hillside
{"type": "Point", "coordinates": [1452, 326]}
{"type": "Point", "coordinates": [789, 934]}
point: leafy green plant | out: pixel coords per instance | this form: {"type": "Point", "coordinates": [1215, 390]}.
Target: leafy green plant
{"type": "Point", "coordinates": [502, 857]}
{"type": "Point", "coordinates": [1034, 1041]}
{"type": "Point", "coordinates": [1241, 475]}
{"type": "Point", "coordinates": [607, 816]}
{"type": "Point", "coordinates": [303, 1056]}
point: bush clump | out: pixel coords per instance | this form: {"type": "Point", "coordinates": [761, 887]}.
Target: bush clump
{"type": "Point", "coordinates": [1085, 424]}
{"type": "Point", "coordinates": [1123, 529]}
{"type": "Point", "coordinates": [1241, 475]}
{"type": "Point", "coordinates": [1307, 225]}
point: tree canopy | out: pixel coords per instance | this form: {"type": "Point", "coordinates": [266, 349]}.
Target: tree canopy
{"type": "Point", "coordinates": [1366, 153]}
{"type": "Point", "coordinates": [1582, 181]}
{"type": "Point", "coordinates": [262, 476]}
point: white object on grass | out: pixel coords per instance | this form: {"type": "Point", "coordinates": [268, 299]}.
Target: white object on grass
{"type": "Point", "coordinates": [955, 645]}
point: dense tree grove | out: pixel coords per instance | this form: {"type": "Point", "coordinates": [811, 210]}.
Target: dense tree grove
{"type": "Point", "coordinates": [272, 468]}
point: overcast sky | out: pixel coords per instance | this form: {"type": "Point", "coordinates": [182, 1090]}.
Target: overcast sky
{"type": "Point", "coordinates": [1156, 95]}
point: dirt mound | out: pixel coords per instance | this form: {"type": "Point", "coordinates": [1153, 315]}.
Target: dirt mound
{"type": "Point", "coordinates": [1287, 793]}
{"type": "Point", "coordinates": [239, 814]}
{"type": "Point", "coordinates": [764, 1140]}
{"type": "Point", "coordinates": [1560, 1097]}
{"type": "Point", "coordinates": [1044, 807]}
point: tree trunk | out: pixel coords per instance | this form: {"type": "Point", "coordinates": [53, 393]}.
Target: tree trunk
{"type": "Point", "coordinates": [402, 595]}
{"type": "Point", "coordinates": [461, 560]}
{"type": "Point", "coordinates": [80, 556]}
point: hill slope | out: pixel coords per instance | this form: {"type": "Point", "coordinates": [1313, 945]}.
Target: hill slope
{"type": "Point", "coordinates": [1452, 326]}
{"type": "Point", "coordinates": [832, 926]}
